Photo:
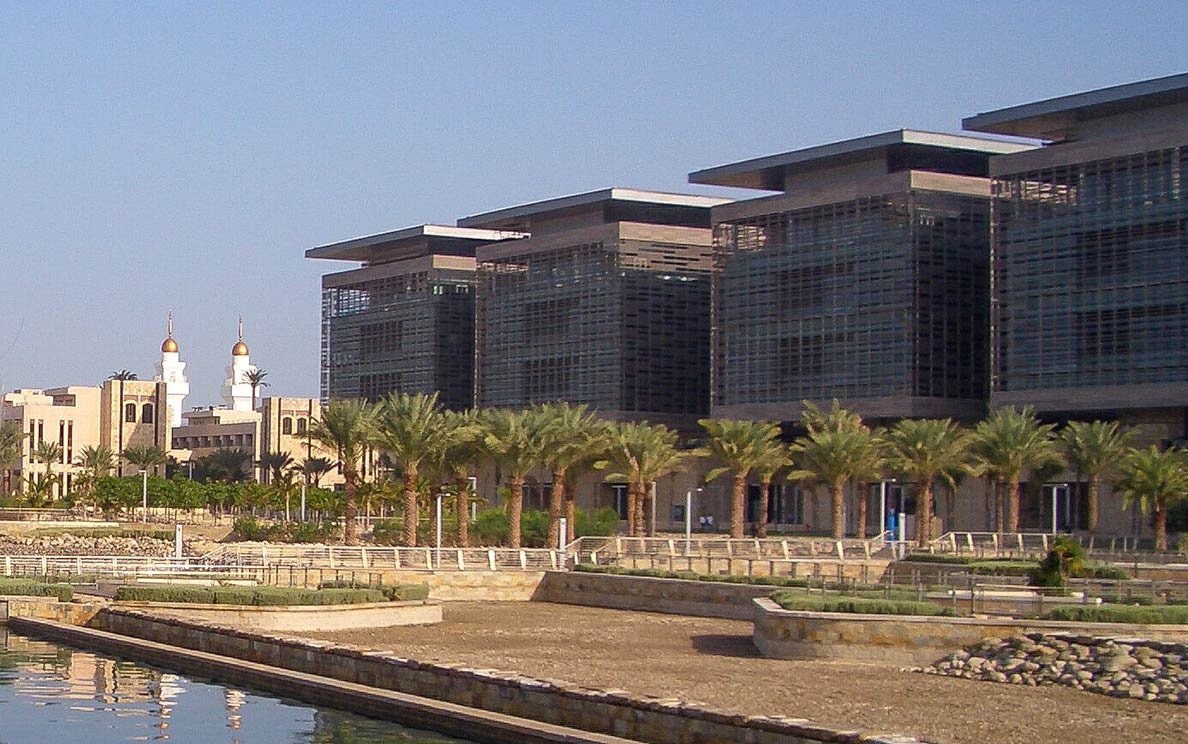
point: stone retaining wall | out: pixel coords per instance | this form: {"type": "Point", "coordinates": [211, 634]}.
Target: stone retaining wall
{"type": "Point", "coordinates": [298, 619]}
{"type": "Point", "coordinates": [614, 712]}
{"type": "Point", "coordinates": [909, 639]}
{"type": "Point", "coordinates": [49, 608]}
{"type": "Point", "coordinates": [471, 585]}
{"type": "Point", "coordinates": [672, 596]}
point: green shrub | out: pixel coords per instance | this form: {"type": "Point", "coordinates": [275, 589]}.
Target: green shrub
{"type": "Point", "coordinates": [491, 527]}
{"type": "Point", "coordinates": [596, 523]}
{"type": "Point", "coordinates": [794, 600]}
{"type": "Point", "coordinates": [1065, 559]}
{"type": "Point", "coordinates": [1106, 573]}
{"type": "Point", "coordinates": [388, 532]}
{"type": "Point", "coordinates": [1106, 613]}
{"type": "Point", "coordinates": [397, 593]}
{"type": "Point", "coordinates": [29, 588]}
{"type": "Point", "coordinates": [937, 558]}
{"type": "Point", "coordinates": [265, 596]}
{"type": "Point", "coordinates": [534, 529]}
{"type": "Point", "coordinates": [1002, 567]}
{"type": "Point", "coordinates": [247, 528]}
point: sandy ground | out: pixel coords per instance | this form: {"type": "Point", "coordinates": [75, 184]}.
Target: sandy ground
{"type": "Point", "coordinates": [714, 661]}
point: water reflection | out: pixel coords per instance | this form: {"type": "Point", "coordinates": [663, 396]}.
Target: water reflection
{"type": "Point", "coordinates": [56, 693]}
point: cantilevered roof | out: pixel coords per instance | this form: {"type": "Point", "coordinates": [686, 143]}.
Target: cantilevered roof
{"type": "Point", "coordinates": [410, 241]}
{"type": "Point", "coordinates": [770, 171]}
{"type": "Point", "coordinates": [1049, 118]}
{"type": "Point", "coordinates": [589, 199]}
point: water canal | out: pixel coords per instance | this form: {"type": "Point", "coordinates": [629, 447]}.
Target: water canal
{"type": "Point", "coordinates": [54, 693]}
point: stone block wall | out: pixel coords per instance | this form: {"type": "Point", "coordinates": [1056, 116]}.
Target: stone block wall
{"type": "Point", "coordinates": [614, 712]}
{"type": "Point", "coordinates": [672, 596]}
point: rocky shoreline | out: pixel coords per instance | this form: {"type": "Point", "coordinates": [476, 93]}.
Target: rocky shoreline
{"type": "Point", "coordinates": [1139, 669]}
{"type": "Point", "coordinates": [113, 545]}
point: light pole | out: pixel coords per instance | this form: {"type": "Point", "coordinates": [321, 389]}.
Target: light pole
{"type": "Point", "coordinates": [689, 519]}
{"type": "Point", "coordinates": [883, 511]}
{"type": "Point", "coordinates": [303, 484]}
{"type": "Point", "coordinates": [144, 493]}
{"type": "Point", "coordinates": [440, 496]}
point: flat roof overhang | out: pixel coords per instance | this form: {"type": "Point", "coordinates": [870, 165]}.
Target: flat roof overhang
{"type": "Point", "coordinates": [443, 237]}
{"type": "Point", "coordinates": [769, 172]}
{"type": "Point", "coordinates": [591, 198]}
{"type": "Point", "coordinates": [1048, 118]}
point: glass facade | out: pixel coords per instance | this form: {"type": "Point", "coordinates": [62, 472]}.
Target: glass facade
{"type": "Point", "coordinates": [620, 325]}
{"type": "Point", "coordinates": [1091, 274]}
{"type": "Point", "coordinates": [411, 332]}
{"type": "Point", "coordinates": [870, 298]}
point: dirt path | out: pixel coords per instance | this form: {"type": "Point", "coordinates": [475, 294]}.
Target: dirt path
{"type": "Point", "coordinates": [713, 661]}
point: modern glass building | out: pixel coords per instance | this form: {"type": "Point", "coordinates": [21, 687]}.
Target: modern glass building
{"type": "Point", "coordinates": [1090, 292]}
{"type": "Point", "coordinates": [606, 304]}
{"type": "Point", "coordinates": [404, 321]}
{"type": "Point", "coordinates": [866, 279]}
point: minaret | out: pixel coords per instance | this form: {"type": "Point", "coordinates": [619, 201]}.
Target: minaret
{"type": "Point", "coordinates": [237, 391]}
{"type": "Point", "coordinates": [171, 370]}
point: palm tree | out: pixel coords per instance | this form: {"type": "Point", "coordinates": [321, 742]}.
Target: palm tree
{"type": "Point", "coordinates": [346, 428]}
{"type": "Point", "coordinates": [144, 456]}
{"type": "Point", "coordinates": [1155, 480]}
{"type": "Point", "coordinates": [1008, 443]}
{"type": "Point", "coordinates": [414, 431]}
{"type": "Point", "coordinates": [255, 378]}
{"type": "Point", "coordinates": [315, 468]}
{"type": "Point", "coordinates": [230, 464]}
{"type": "Point", "coordinates": [12, 444]}
{"type": "Point", "coordinates": [871, 465]}
{"type": "Point", "coordinates": [1092, 450]}
{"type": "Point", "coordinates": [740, 446]}
{"type": "Point", "coordinates": [97, 463]}
{"type": "Point", "coordinates": [641, 454]}
{"type": "Point", "coordinates": [831, 457]}
{"type": "Point", "coordinates": [47, 453]}
{"type": "Point", "coordinates": [122, 374]}
{"type": "Point", "coordinates": [772, 460]}
{"type": "Point", "coordinates": [924, 450]}
{"type": "Point", "coordinates": [274, 465]}
{"type": "Point", "coordinates": [514, 440]}
{"type": "Point", "coordinates": [570, 436]}
{"type": "Point", "coordinates": [465, 448]}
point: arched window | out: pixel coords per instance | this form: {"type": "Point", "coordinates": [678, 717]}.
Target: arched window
{"type": "Point", "coordinates": [130, 413]}
{"type": "Point", "coordinates": [300, 426]}
{"type": "Point", "coordinates": [286, 425]}
{"type": "Point", "coordinates": [146, 414]}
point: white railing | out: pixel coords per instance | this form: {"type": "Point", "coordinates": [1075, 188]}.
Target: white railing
{"type": "Point", "coordinates": [611, 549]}
{"type": "Point", "coordinates": [1037, 544]}
{"type": "Point", "coordinates": [386, 558]}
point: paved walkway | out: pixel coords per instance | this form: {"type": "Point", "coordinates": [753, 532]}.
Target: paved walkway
{"type": "Point", "coordinates": [713, 661]}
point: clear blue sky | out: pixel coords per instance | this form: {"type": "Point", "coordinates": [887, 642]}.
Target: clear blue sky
{"type": "Point", "coordinates": [170, 155]}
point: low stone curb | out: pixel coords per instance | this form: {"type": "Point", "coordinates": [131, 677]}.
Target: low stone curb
{"type": "Point", "coordinates": [1132, 668]}
{"type": "Point", "coordinates": [615, 712]}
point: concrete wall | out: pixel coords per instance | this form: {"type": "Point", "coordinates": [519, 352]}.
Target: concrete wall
{"type": "Point", "coordinates": [671, 596]}
{"type": "Point", "coordinates": [662, 721]}
{"type": "Point", "coordinates": [901, 639]}
{"type": "Point", "coordinates": [48, 608]}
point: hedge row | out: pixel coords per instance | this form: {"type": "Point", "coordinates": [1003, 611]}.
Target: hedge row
{"type": "Point", "coordinates": [255, 596]}
{"type": "Point", "coordinates": [397, 593]}
{"type": "Point", "coordinates": [656, 573]}
{"type": "Point", "coordinates": [1145, 615]}
{"type": "Point", "coordinates": [793, 600]}
{"type": "Point", "coordinates": [27, 588]}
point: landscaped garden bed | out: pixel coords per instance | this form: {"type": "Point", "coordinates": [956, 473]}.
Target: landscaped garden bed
{"type": "Point", "coordinates": [31, 588]}
{"type": "Point", "coordinates": [808, 602]}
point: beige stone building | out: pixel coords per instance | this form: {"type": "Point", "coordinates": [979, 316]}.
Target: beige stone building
{"type": "Point", "coordinates": [68, 416]}
{"type": "Point", "coordinates": [133, 413]}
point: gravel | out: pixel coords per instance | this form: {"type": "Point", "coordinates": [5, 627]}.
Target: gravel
{"type": "Point", "coordinates": [714, 662]}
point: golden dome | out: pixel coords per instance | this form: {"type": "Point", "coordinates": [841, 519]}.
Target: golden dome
{"type": "Point", "coordinates": [240, 349]}
{"type": "Point", "coordinates": [169, 347]}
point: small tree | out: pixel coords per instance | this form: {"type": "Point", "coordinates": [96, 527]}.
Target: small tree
{"type": "Point", "coordinates": [255, 378]}
{"type": "Point", "coordinates": [514, 440]}
{"type": "Point", "coordinates": [924, 450]}
{"type": "Point", "coordinates": [144, 456]}
{"type": "Point", "coordinates": [346, 428]}
{"type": "Point", "coordinates": [1093, 449]}
{"type": "Point", "coordinates": [741, 447]}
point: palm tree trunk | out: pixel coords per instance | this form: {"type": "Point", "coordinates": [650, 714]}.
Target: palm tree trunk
{"type": "Point", "coordinates": [350, 510]}
{"type": "Point", "coordinates": [999, 508]}
{"type": "Point", "coordinates": [515, 507]}
{"type": "Point", "coordinates": [738, 505]}
{"type": "Point", "coordinates": [462, 504]}
{"type": "Point", "coordinates": [412, 515]}
{"type": "Point", "coordinates": [632, 505]}
{"type": "Point", "coordinates": [837, 496]}
{"type": "Point", "coordinates": [1093, 504]}
{"type": "Point", "coordinates": [1015, 492]}
{"type": "Point", "coordinates": [640, 506]}
{"type": "Point", "coordinates": [570, 514]}
{"type": "Point", "coordinates": [764, 487]}
{"type": "Point", "coordinates": [863, 490]}
{"type": "Point", "coordinates": [924, 515]}
{"type": "Point", "coordinates": [1160, 526]}
{"type": "Point", "coordinates": [556, 504]}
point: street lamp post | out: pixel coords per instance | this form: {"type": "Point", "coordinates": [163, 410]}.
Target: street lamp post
{"type": "Point", "coordinates": [440, 496]}
{"type": "Point", "coordinates": [689, 519]}
{"type": "Point", "coordinates": [303, 484]}
{"type": "Point", "coordinates": [144, 493]}
{"type": "Point", "coordinates": [882, 511]}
